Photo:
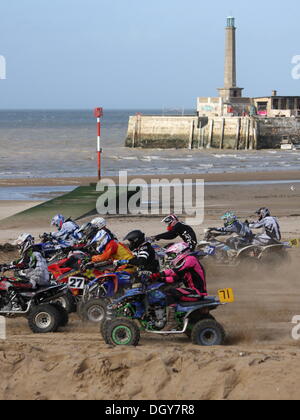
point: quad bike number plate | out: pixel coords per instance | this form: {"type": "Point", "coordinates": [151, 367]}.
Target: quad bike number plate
{"type": "Point", "coordinates": [226, 296]}
{"type": "Point", "coordinates": [76, 283]}
{"type": "Point", "coordinates": [295, 243]}
{"type": "Point", "coordinates": [210, 250]}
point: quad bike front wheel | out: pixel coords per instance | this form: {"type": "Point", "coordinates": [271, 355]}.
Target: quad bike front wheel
{"type": "Point", "coordinates": [121, 332]}
{"type": "Point", "coordinates": [208, 332]}
{"type": "Point", "coordinates": [94, 310]}
{"type": "Point", "coordinates": [44, 319]}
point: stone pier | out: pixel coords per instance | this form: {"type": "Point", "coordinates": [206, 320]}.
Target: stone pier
{"type": "Point", "coordinates": [192, 132]}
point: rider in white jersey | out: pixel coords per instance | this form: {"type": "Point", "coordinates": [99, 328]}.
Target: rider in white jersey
{"type": "Point", "coordinates": [271, 229]}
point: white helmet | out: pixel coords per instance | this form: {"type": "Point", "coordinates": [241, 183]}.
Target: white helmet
{"type": "Point", "coordinates": [24, 242]}
{"type": "Point", "coordinates": [99, 222]}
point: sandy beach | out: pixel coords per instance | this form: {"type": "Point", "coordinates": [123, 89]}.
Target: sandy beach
{"type": "Point", "coordinates": [260, 359]}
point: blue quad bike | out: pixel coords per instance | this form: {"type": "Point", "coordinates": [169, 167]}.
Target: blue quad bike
{"type": "Point", "coordinates": [52, 249]}
{"type": "Point", "coordinates": [100, 292]}
{"type": "Point", "coordinates": [144, 309]}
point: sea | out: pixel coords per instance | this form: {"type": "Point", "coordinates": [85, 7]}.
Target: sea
{"type": "Point", "coordinates": [62, 143]}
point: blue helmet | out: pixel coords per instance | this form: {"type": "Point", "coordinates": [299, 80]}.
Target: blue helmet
{"type": "Point", "coordinates": [102, 238]}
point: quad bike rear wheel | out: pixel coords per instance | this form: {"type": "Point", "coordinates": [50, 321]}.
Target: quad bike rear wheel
{"type": "Point", "coordinates": [44, 319]}
{"type": "Point", "coordinates": [121, 332]}
{"type": "Point", "coordinates": [192, 323]}
{"type": "Point", "coordinates": [208, 332]}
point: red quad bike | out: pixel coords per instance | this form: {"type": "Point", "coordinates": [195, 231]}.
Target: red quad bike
{"type": "Point", "coordinates": [18, 299]}
{"type": "Point", "coordinates": [69, 272]}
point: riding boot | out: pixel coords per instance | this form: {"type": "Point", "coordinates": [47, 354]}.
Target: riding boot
{"type": "Point", "coordinates": [172, 324]}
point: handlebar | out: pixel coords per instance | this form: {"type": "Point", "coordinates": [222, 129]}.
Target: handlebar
{"type": "Point", "coordinates": [214, 232]}
{"type": "Point", "coordinates": [106, 264]}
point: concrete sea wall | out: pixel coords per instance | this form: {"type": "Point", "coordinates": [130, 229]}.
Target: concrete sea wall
{"type": "Point", "coordinates": [193, 132]}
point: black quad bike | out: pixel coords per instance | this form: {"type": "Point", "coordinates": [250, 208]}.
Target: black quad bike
{"type": "Point", "coordinates": [18, 299]}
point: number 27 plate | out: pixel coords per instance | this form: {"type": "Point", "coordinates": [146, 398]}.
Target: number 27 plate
{"type": "Point", "coordinates": [76, 283]}
{"type": "Point", "coordinates": [226, 296]}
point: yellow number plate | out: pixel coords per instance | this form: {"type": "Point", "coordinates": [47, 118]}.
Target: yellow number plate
{"type": "Point", "coordinates": [226, 296]}
{"type": "Point", "coordinates": [295, 243]}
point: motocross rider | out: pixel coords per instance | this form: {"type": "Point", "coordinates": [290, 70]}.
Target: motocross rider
{"type": "Point", "coordinates": [68, 230]}
{"type": "Point", "coordinates": [109, 248]}
{"type": "Point", "coordinates": [270, 225]}
{"type": "Point", "coordinates": [178, 229]}
{"type": "Point", "coordinates": [32, 263]}
{"type": "Point", "coordinates": [233, 225]}
{"type": "Point", "coordinates": [187, 270]}
{"type": "Point", "coordinates": [144, 254]}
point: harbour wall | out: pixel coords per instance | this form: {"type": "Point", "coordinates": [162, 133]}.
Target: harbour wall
{"type": "Point", "coordinates": [193, 132]}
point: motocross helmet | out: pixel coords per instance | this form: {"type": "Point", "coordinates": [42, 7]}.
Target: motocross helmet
{"type": "Point", "coordinates": [101, 239]}
{"type": "Point", "coordinates": [263, 212]}
{"type": "Point", "coordinates": [174, 250]}
{"type": "Point", "coordinates": [179, 261]}
{"type": "Point", "coordinates": [99, 222]}
{"type": "Point", "coordinates": [24, 243]}
{"type": "Point", "coordinates": [58, 221]}
{"type": "Point", "coordinates": [171, 220]}
{"type": "Point", "coordinates": [229, 218]}
{"type": "Point", "coordinates": [88, 231]}
{"type": "Point", "coordinates": [135, 238]}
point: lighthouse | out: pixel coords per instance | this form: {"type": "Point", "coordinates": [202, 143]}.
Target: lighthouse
{"type": "Point", "coordinates": [230, 89]}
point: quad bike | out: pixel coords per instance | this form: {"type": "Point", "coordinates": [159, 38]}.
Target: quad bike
{"type": "Point", "coordinates": [144, 309]}
{"type": "Point", "coordinates": [223, 254]}
{"type": "Point", "coordinates": [252, 255]}
{"type": "Point", "coordinates": [18, 299]}
{"type": "Point", "coordinates": [55, 250]}
{"type": "Point", "coordinates": [70, 271]}
{"type": "Point", "coordinates": [100, 292]}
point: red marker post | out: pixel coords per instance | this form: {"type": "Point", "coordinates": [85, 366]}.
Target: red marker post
{"type": "Point", "coordinates": [98, 113]}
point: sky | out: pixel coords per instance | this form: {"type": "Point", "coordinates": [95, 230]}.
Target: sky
{"type": "Point", "coordinates": [138, 54]}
